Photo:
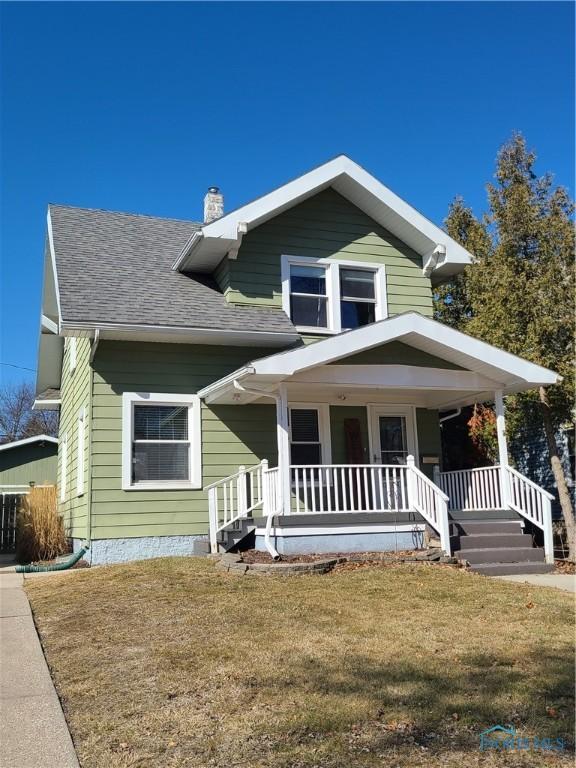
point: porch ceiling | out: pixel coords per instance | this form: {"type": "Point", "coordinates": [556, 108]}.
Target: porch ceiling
{"type": "Point", "coordinates": [310, 372]}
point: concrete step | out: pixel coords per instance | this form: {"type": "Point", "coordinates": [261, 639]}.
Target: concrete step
{"type": "Point", "coordinates": [502, 555]}
{"type": "Point", "coordinates": [507, 569]}
{"type": "Point", "coordinates": [490, 541]}
{"type": "Point", "coordinates": [471, 527]}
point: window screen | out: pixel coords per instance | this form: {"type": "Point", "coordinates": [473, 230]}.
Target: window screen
{"type": "Point", "coordinates": [308, 297]}
{"type": "Point", "coordinates": [357, 297]}
{"type": "Point", "coordinates": [305, 445]}
{"type": "Point", "coordinates": [161, 446]}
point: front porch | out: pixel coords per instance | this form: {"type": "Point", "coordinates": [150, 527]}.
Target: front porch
{"type": "Point", "coordinates": [358, 440]}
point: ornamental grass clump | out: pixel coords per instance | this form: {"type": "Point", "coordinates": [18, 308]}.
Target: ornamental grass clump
{"type": "Point", "coordinates": [40, 529]}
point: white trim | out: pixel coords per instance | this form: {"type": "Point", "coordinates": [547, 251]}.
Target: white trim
{"type": "Point", "coordinates": [129, 399]}
{"type": "Point", "coordinates": [27, 440]}
{"type": "Point", "coordinates": [80, 451]}
{"type": "Point", "coordinates": [393, 376]}
{"type": "Point", "coordinates": [444, 340]}
{"type": "Point", "coordinates": [46, 405]}
{"type": "Point", "coordinates": [48, 325]}
{"type": "Point", "coordinates": [203, 252]}
{"type": "Point", "coordinates": [177, 334]}
{"type": "Point", "coordinates": [334, 531]}
{"type": "Point", "coordinates": [53, 260]}
{"type": "Point", "coordinates": [63, 466]}
{"type": "Point", "coordinates": [512, 373]}
{"type": "Point", "coordinates": [408, 412]}
{"type": "Point", "coordinates": [333, 297]}
{"type": "Point", "coordinates": [323, 410]}
{"type": "Point", "coordinates": [71, 343]}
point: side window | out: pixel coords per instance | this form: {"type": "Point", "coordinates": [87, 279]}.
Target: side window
{"type": "Point", "coordinates": [63, 465]}
{"type": "Point", "coordinates": [305, 436]}
{"type": "Point", "coordinates": [161, 445]}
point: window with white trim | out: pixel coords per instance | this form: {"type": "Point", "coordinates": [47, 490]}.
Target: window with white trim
{"type": "Point", "coordinates": [309, 434]}
{"type": "Point", "coordinates": [161, 446]}
{"type": "Point", "coordinates": [72, 353]}
{"type": "Point", "coordinates": [63, 465]}
{"type": "Point", "coordinates": [308, 296]}
{"type": "Point", "coordinates": [80, 445]}
{"type": "Point", "coordinates": [330, 296]}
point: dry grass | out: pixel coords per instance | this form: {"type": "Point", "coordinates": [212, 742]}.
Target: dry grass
{"type": "Point", "coordinates": [40, 534]}
{"type": "Point", "coordinates": [170, 663]}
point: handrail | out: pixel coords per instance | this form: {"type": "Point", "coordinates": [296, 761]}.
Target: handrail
{"type": "Point", "coordinates": [534, 503]}
{"type": "Point", "coordinates": [470, 469]}
{"type": "Point", "coordinates": [531, 483]}
{"type": "Point", "coordinates": [234, 497]}
{"type": "Point", "coordinates": [430, 501]}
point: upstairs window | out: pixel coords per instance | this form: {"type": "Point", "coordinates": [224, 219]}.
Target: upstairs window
{"type": "Point", "coordinates": [308, 296]}
{"type": "Point", "coordinates": [332, 295]}
{"type": "Point", "coordinates": [357, 297]}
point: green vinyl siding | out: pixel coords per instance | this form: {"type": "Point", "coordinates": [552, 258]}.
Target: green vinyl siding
{"type": "Point", "coordinates": [32, 463]}
{"type": "Point", "coordinates": [325, 226]}
{"type": "Point", "coordinates": [397, 353]}
{"type": "Point", "coordinates": [231, 435]}
{"type": "Point", "coordinates": [429, 438]}
{"type": "Point", "coordinates": [75, 394]}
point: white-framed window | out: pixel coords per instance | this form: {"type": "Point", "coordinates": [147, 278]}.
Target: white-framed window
{"type": "Point", "coordinates": [161, 441]}
{"type": "Point", "coordinates": [309, 434]}
{"type": "Point", "coordinates": [80, 445]}
{"type": "Point", "coordinates": [63, 465]}
{"type": "Point", "coordinates": [72, 343]}
{"type": "Point", "coordinates": [332, 295]}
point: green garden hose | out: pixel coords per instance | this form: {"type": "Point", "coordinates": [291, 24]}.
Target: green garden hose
{"type": "Point", "coordinates": [62, 566]}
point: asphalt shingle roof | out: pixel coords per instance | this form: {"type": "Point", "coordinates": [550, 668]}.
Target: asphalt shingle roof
{"type": "Point", "coordinates": [116, 268]}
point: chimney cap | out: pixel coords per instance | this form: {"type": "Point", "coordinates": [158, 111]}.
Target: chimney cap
{"type": "Point", "coordinates": [214, 190]}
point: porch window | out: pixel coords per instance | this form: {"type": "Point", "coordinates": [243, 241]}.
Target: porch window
{"type": "Point", "coordinates": [357, 297]}
{"type": "Point", "coordinates": [161, 441]}
{"type": "Point", "coordinates": [308, 296]}
{"type": "Point", "coordinates": [305, 442]}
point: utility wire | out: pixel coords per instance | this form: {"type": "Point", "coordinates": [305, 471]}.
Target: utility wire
{"type": "Point", "coordinates": [22, 367]}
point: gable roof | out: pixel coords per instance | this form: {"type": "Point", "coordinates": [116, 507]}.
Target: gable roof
{"type": "Point", "coordinates": [114, 269]}
{"type": "Point", "coordinates": [441, 254]}
{"type": "Point", "coordinates": [28, 441]}
{"type": "Point", "coordinates": [484, 368]}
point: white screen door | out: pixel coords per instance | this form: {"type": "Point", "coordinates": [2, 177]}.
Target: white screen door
{"type": "Point", "coordinates": [393, 434]}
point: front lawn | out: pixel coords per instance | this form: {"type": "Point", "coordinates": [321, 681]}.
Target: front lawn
{"type": "Point", "coordinates": [172, 663]}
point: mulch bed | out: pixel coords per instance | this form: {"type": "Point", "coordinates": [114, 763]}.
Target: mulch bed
{"type": "Point", "coordinates": [255, 556]}
{"type": "Point", "coordinates": [565, 566]}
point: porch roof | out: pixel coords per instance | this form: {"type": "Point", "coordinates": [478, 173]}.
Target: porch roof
{"type": "Point", "coordinates": [479, 369]}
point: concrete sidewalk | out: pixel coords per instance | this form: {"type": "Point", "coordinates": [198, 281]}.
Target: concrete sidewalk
{"type": "Point", "coordinates": [561, 581]}
{"type": "Point", "coordinates": [32, 724]}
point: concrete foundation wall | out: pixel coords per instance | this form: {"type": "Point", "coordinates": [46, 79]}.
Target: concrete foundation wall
{"type": "Point", "coordinates": [345, 542]}
{"type": "Point", "coordinates": [110, 551]}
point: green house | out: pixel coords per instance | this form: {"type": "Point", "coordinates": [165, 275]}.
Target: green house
{"type": "Point", "coordinates": [272, 377]}
{"type": "Point", "coordinates": [26, 462]}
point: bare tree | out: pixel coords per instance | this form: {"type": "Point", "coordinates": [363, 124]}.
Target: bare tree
{"type": "Point", "coordinates": [18, 420]}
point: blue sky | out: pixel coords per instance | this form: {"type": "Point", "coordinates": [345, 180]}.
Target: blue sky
{"type": "Point", "coordinates": [141, 106]}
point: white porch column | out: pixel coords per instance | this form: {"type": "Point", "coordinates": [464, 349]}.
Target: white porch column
{"type": "Point", "coordinates": [283, 449]}
{"type": "Point", "coordinates": [502, 445]}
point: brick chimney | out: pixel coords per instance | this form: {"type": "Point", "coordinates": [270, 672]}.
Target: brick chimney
{"type": "Point", "coordinates": [213, 205]}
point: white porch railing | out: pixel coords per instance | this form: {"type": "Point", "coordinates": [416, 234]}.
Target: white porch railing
{"type": "Point", "coordinates": [234, 497]}
{"type": "Point", "coordinates": [533, 503]}
{"type": "Point", "coordinates": [472, 489]}
{"type": "Point", "coordinates": [486, 488]}
{"type": "Point", "coordinates": [428, 499]}
{"type": "Point", "coordinates": [336, 488]}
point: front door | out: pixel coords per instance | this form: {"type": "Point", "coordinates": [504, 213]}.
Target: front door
{"type": "Point", "coordinates": [393, 434]}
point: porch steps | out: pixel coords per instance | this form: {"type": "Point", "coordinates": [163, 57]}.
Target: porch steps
{"type": "Point", "coordinates": [496, 547]}
{"type": "Point", "coordinates": [238, 533]}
